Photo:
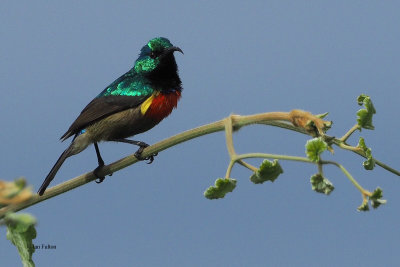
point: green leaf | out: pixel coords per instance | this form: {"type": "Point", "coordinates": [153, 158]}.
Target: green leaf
{"type": "Point", "coordinates": [364, 116]}
{"type": "Point", "coordinates": [321, 185]}
{"type": "Point", "coordinates": [369, 164]}
{"type": "Point", "coordinates": [221, 188]}
{"type": "Point", "coordinates": [364, 206]}
{"type": "Point", "coordinates": [21, 231]}
{"type": "Point", "coordinates": [323, 115]}
{"type": "Point", "coordinates": [268, 171]}
{"type": "Point", "coordinates": [376, 198]}
{"type": "Point", "coordinates": [314, 148]}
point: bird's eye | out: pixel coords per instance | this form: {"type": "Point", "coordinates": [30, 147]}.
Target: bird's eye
{"type": "Point", "coordinates": [153, 55]}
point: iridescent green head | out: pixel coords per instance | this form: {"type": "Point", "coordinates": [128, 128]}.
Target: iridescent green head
{"type": "Point", "coordinates": [156, 55]}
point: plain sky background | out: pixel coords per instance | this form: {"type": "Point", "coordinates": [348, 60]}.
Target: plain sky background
{"type": "Point", "coordinates": [241, 57]}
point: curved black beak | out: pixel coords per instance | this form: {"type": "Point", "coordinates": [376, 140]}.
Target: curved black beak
{"type": "Point", "coordinates": [172, 49]}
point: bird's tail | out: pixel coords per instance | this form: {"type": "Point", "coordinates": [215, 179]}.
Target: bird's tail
{"type": "Point", "coordinates": [54, 170]}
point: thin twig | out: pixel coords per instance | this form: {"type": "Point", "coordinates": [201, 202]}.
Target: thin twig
{"type": "Point", "coordinates": [247, 165]}
{"type": "Point", "coordinates": [228, 136]}
{"type": "Point", "coordinates": [349, 133]}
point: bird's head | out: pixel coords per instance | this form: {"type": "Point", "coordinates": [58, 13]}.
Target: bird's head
{"type": "Point", "coordinates": [156, 57]}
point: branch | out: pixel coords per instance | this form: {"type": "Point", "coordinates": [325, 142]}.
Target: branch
{"type": "Point", "coordinates": [296, 120]}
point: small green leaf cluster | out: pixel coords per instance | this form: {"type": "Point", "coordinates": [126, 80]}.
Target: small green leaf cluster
{"type": "Point", "coordinates": [21, 231]}
{"type": "Point", "coordinates": [375, 199]}
{"type": "Point", "coordinates": [320, 184]}
{"type": "Point", "coordinates": [268, 171]}
{"type": "Point", "coordinates": [364, 116]}
{"type": "Point", "coordinates": [369, 164]}
{"type": "Point", "coordinates": [315, 147]}
{"type": "Point", "coordinates": [221, 188]}
{"type": "Point", "coordinates": [364, 206]}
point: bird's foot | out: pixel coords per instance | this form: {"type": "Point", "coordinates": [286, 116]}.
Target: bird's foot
{"type": "Point", "coordinates": [138, 153]}
{"type": "Point", "coordinates": [99, 179]}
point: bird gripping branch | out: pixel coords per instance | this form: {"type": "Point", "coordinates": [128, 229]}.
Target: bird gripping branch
{"type": "Point", "coordinates": [134, 103]}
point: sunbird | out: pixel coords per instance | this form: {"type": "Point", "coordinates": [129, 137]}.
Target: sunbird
{"type": "Point", "coordinates": [132, 104]}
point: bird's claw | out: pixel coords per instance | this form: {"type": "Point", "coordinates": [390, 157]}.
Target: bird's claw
{"type": "Point", "coordinates": [151, 158]}
{"type": "Point", "coordinates": [99, 179]}
{"type": "Point", "coordinates": [138, 154]}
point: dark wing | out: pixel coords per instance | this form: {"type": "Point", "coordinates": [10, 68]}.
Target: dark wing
{"type": "Point", "coordinates": [102, 107]}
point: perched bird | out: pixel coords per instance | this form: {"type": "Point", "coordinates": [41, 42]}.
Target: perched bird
{"type": "Point", "coordinates": [134, 103]}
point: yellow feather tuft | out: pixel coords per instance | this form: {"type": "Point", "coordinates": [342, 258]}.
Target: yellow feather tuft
{"type": "Point", "coordinates": [146, 104]}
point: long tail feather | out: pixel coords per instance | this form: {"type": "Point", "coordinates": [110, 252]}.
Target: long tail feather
{"type": "Point", "coordinates": [54, 170]}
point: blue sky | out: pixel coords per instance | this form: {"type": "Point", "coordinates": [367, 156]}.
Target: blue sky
{"type": "Point", "coordinates": [240, 57]}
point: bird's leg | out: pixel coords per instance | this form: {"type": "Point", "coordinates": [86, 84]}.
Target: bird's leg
{"type": "Point", "coordinates": [142, 146]}
{"type": "Point", "coordinates": [101, 164]}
